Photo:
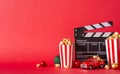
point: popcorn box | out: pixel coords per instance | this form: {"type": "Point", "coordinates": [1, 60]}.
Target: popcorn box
{"type": "Point", "coordinates": [66, 55]}
{"type": "Point", "coordinates": [112, 51]}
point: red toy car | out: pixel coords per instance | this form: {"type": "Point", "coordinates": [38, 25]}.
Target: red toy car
{"type": "Point", "coordinates": [92, 63]}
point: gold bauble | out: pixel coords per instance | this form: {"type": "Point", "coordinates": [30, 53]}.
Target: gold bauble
{"type": "Point", "coordinates": [57, 65]}
{"type": "Point", "coordinates": [114, 66]}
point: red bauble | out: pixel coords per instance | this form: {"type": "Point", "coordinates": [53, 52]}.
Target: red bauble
{"type": "Point", "coordinates": [76, 64]}
{"type": "Point", "coordinates": [43, 64]}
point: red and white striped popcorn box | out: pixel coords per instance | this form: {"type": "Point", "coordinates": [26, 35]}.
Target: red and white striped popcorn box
{"type": "Point", "coordinates": [66, 55]}
{"type": "Point", "coordinates": [113, 49]}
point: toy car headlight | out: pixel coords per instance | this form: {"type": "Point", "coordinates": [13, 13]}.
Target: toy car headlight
{"type": "Point", "coordinates": [83, 65]}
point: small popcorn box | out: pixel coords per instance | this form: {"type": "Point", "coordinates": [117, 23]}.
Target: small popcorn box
{"type": "Point", "coordinates": [66, 53]}
{"type": "Point", "coordinates": [112, 49]}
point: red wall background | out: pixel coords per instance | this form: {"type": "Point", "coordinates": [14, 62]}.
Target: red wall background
{"type": "Point", "coordinates": [30, 30]}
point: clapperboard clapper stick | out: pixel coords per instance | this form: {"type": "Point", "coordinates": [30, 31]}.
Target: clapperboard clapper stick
{"type": "Point", "coordinates": [88, 44]}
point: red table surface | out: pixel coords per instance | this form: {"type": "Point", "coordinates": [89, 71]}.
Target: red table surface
{"type": "Point", "coordinates": [31, 69]}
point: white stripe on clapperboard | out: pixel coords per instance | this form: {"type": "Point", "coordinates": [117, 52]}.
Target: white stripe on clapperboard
{"type": "Point", "coordinates": [115, 49]}
{"type": "Point", "coordinates": [89, 27]}
{"type": "Point", "coordinates": [97, 26]}
{"type": "Point", "coordinates": [89, 34]}
{"type": "Point", "coordinates": [106, 34]}
{"type": "Point", "coordinates": [106, 24]}
{"type": "Point", "coordinates": [97, 34]}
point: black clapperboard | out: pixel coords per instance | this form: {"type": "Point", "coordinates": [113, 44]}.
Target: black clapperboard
{"type": "Point", "coordinates": [88, 44]}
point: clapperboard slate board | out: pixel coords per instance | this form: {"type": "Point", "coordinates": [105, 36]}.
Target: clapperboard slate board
{"type": "Point", "coordinates": [88, 44]}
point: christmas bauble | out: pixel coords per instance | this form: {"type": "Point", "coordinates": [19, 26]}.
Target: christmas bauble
{"type": "Point", "coordinates": [57, 60]}
{"type": "Point", "coordinates": [43, 64]}
{"type": "Point", "coordinates": [114, 66]}
{"type": "Point", "coordinates": [57, 65]}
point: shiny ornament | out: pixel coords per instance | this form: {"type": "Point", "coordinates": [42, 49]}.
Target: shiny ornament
{"type": "Point", "coordinates": [43, 64]}
{"type": "Point", "coordinates": [76, 63]}
{"type": "Point", "coordinates": [57, 60]}
{"type": "Point", "coordinates": [107, 67]}
{"type": "Point", "coordinates": [114, 66]}
{"type": "Point", "coordinates": [57, 65]}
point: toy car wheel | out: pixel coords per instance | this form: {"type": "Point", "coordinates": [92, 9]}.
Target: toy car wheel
{"type": "Point", "coordinates": [90, 67]}
{"type": "Point", "coordinates": [101, 66]}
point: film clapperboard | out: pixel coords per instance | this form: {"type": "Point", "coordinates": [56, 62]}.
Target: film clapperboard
{"type": "Point", "coordinates": [88, 44]}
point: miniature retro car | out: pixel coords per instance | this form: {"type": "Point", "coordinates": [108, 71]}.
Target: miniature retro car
{"type": "Point", "coordinates": [92, 63]}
